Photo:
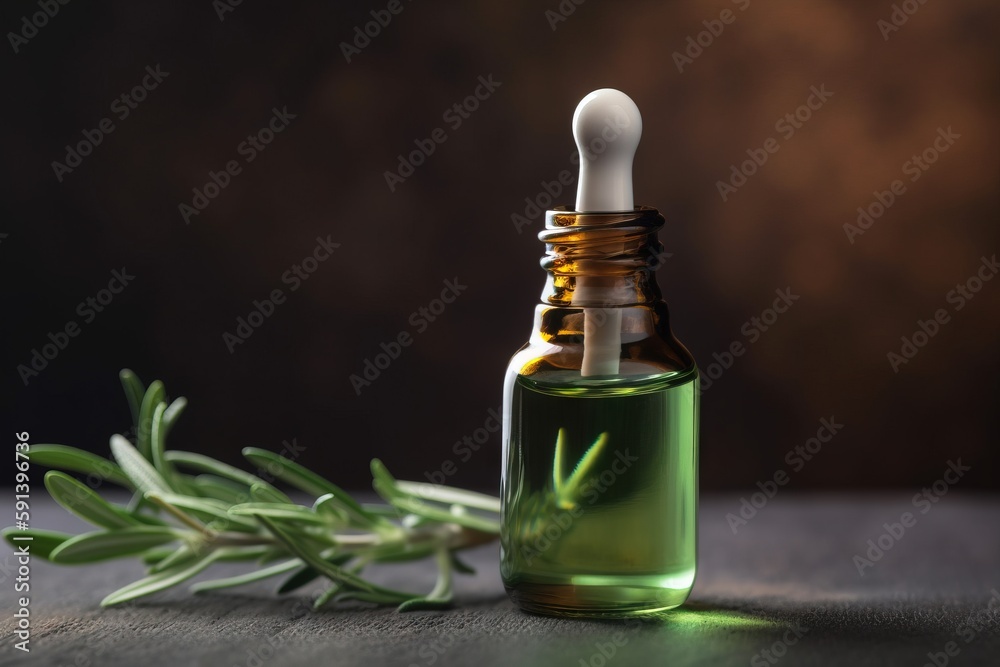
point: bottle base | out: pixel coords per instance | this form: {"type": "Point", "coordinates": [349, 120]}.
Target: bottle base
{"type": "Point", "coordinates": [590, 601]}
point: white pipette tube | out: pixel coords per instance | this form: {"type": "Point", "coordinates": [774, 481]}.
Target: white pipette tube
{"type": "Point", "coordinates": [607, 127]}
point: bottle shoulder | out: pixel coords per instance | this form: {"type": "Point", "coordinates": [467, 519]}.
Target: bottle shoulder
{"type": "Point", "coordinates": [647, 345]}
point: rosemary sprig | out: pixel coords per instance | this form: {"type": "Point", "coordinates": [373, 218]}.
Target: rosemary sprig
{"type": "Point", "coordinates": [180, 523]}
{"type": "Point", "coordinates": [531, 517]}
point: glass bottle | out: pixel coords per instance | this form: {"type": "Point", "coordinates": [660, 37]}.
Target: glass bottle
{"type": "Point", "coordinates": [600, 471]}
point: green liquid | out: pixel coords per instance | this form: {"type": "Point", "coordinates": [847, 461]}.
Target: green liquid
{"type": "Point", "coordinates": [612, 531]}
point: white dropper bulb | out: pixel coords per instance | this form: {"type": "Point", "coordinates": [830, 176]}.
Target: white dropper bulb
{"type": "Point", "coordinates": [607, 127]}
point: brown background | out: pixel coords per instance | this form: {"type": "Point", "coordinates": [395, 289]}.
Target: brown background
{"type": "Point", "coordinates": [324, 175]}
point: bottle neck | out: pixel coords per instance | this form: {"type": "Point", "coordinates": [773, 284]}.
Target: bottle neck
{"type": "Point", "coordinates": [601, 259]}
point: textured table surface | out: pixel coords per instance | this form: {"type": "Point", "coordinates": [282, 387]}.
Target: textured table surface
{"type": "Point", "coordinates": [785, 589]}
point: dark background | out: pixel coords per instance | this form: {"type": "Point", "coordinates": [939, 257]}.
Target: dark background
{"type": "Point", "coordinates": [324, 175]}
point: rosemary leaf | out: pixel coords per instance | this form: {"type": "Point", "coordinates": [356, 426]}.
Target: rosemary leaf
{"type": "Point", "coordinates": [156, 555]}
{"type": "Point", "coordinates": [160, 581]}
{"type": "Point", "coordinates": [155, 394]}
{"type": "Point", "coordinates": [224, 470]}
{"type": "Point", "coordinates": [460, 565]}
{"type": "Point", "coordinates": [303, 478]}
{"type": "Point", "coordinates": [307, 574]}
{"type": "Point", "coordinates": [327, 595]}
{"type": "Point", "coordinates": [78, 460]}
{"type": "Point", "coordinates": [248, 577]}
{"type": "Point", "coordinates": [265, 493]}
{"type": "Point", "coordinates": [209, 511]}
{"type": "Point", "coordinates": [158, 444]}
{"type": "Point", "coordinates": [557, 464]}
{"type": "Point", "coordinates": [328, 505]}
{"type": "Point", "coordinates": [329, 570]}
{"type": "Point", "coordinates": [451, 495]}
{"type": "Point", "coordinates": [182, 554]}
{"type": "Point", "coordinates": [43, 542]}
{"type": "Point", "coordinates": [219, 488]}
{"type": "Point", "coordinates": [108, 544]}
{"type": "Point", "coordinates": [425, 604]}
{"type": "Point", "coordinates": [441, 596]}
{"type": "Point", "coordinates": [144, 476]}
{"type": "Point", "coordinates": [134, 392]}
{"type": "Point", "coordinates": [249, 552]}
{"type": "Point", "coordinates": [420, 508]}
{"type": "Point", "coordinates": [278, 511]}
{"type": "Point", "coordinates": [81, 500]}
{"type": "Point", "coordinates": [570, 490]}
{"type": "Point", "coordinates": [172, 413]}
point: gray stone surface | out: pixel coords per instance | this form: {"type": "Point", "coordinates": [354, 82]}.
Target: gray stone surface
{"type": "Point", "coordinates": [789, 567]}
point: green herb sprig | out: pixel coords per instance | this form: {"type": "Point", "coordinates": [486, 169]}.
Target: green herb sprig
{"type": "Point", "coordinates": [189, 511]}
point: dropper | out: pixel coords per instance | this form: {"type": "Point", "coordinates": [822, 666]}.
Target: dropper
{"type": "Point", "coordinates": [607, 127]}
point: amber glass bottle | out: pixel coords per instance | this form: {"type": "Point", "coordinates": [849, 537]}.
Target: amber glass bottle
{"type": "Point", "coordinates": [599, 489]}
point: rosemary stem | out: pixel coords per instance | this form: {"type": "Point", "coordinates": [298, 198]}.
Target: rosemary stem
{"type": "Point", "coordinates": [179, 514]}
